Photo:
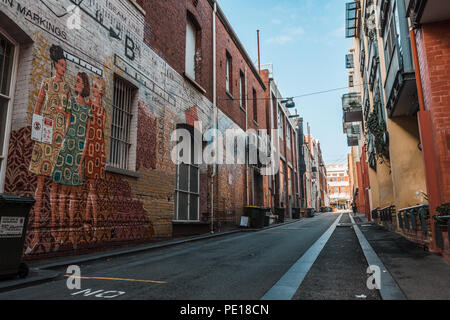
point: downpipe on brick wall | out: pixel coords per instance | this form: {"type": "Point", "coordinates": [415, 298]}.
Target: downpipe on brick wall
{"type": "Point", "coordinates": [246, 130]}
{"type": "Point", "coordinates": [215, 113]}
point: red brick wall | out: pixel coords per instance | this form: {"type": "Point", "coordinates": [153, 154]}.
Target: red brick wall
{"type": "Point", "coordinates": [433, 42]}
{"type": "Point", "coordinates": [231, 107]}
{"type": "Point", "coordinates": [168, 39]}
{"type": "Point", "coordinates": [168, 35]}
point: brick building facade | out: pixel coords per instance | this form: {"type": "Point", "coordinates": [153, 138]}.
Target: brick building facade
{"type": "Point", "coordinates": [89, 104]}
{"type": "Point", "coordinates": [430, 21]}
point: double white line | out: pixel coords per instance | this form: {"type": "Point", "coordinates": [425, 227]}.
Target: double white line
{"type": "Point", "coordinates": [291, 281]}
{"type": "Point", "coordinates": [288, 285]}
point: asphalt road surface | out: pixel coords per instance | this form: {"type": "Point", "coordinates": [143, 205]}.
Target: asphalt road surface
{"type": "Point", "coordinates": [242, 266]}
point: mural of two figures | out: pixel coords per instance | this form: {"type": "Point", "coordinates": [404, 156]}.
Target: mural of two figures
{"type": "Point", "coordinates": [69, 145]}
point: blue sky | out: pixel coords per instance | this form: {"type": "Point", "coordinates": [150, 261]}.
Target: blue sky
{"type": "Point", "coordinates": [305, 41]}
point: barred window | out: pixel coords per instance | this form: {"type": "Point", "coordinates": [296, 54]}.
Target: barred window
{"type": "Point", "coordinates": [121, 124]}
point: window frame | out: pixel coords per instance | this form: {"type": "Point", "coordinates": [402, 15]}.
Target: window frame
{"type": "Point", "coordinates": [288, 136]}
{"type": "Point", "coordinates": [229, 73]}
{"type": "Point", "coordinates": [281, 122]}
{"type": "Point", "coordinates": [128, 164]}
{"type": "Point", "coordinates": [255, 105]}
{"type": "Point", "coordinates": [188, 192]}
{"type": "Point", "coordinates": [390, 41]}
{"type": "Point", "coordinates": [242, 90]}
{"type": "Point", "coordinates": [191, 22]}
{"type": "Point", "coordinates": [9, 111]}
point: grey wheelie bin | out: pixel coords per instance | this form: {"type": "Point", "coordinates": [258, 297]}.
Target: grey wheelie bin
{"type": "Point", "coordinates": [14, 213]}
{"type": "Point", "coordinates": [296, 213]}
{"type": "Point", "coordinates": [266, 215]}
{"type": "Point", "coordinates": [280, 212]}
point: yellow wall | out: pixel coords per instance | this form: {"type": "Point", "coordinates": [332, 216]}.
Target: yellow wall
{"type": "Point", "coordinates": [408, 173]}
{"type": "Point", "coordinates": [375, 195]}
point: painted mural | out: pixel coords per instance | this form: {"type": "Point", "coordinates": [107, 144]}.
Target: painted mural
{"type": "Point", "coordinates": [60, 138]}
{"type": "Point", "coordinates": [78, 205]}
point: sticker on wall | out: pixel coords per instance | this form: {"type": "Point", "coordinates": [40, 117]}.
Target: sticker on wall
{"type": "Point", "coordinates": [11, 227]}
{"type": "Point", "coordinates": [47, 131]}
{"type": "Point", "coordinates": [36, 132]}
{"type": "Point", "coordinates": [42, 129]}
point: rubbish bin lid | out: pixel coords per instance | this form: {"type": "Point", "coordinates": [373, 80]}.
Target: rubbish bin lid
{"type": "Point", "coordinates": [9, 198]}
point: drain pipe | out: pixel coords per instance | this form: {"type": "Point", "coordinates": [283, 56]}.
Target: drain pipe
{"type": "Point", "coordinates": [215, 114]}
{"type": "Point", "coordinates": [246, 131]}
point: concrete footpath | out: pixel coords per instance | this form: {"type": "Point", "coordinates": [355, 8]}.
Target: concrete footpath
{"type": "Point", "coordinates": [47, 270]}
{"type": "Point", "coordinates": [421, 275]}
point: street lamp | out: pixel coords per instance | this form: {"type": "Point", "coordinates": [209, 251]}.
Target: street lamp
{"type": "Point", "coordinates": [289, 102]}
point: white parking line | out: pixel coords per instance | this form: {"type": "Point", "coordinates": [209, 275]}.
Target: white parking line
{"type": "Point", "coordinates": [291, 281]}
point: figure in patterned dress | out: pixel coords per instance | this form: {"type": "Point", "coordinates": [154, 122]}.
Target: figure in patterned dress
{"type": "Point", "coordinates": [95, 162]}
{"type": "Point", "coordinates": [68, 170]}
{"type": "Point", "coordinates": [69, 165]}
{"type": "Point", "coordinates": [51, 105]}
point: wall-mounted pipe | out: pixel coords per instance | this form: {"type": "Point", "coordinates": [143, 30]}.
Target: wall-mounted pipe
{"type": "Point", "coordinates": [215, 113]}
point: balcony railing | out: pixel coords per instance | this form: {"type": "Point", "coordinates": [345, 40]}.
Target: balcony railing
{"type": "Point", "coordinates": [400, 86]}
{"type": "Point", "coordinates": [410, 218]}
{"type": "Point", "coordinates": [351, 105]}
{"type": "Point", "coordinates": [351, 19]}
{"type": "Point", "coordinates": [351, 100]}
{"type": "Point", "coordinates": [386, 216]}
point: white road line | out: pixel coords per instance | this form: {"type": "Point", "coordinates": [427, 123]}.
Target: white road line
{"type": "Point", "coordinates": [389, 289]}
{"type": "Point", "coordinates": [291, 281]}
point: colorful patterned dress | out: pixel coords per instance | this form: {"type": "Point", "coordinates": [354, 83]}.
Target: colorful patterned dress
{"type": "Point", "coordinates": [95, 144]}
{"type": "Point", "coordinates": [69, 160]}
{"type": "Point", "coordinates": [54, 108]}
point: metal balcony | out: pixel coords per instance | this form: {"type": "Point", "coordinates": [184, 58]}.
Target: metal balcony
{"type": "Point", "coordinates": [400, 86]}
{"type": "Point", "coordinates": [351, 100]}
{"type": "Point", "coordinates": [351, 19]}
{"type": "Point", "coordinates": [351, 105]}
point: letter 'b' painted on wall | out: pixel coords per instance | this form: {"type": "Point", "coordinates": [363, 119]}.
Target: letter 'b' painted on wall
{"type": "Point", "coordinates": [129, 48]}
